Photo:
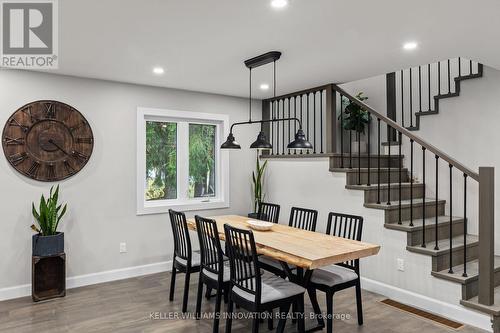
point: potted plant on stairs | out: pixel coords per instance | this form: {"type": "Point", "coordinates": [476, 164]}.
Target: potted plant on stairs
{"type": "Point", "coordinates": [257, 187]}
{"type": "Point", "coordinates": [354, 119]}
{"type": "Point", "coordinates": [48, 241]}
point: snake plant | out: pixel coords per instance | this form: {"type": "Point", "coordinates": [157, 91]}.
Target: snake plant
{"type": "Point", "coordinates": [49, 214]}
{"type": "Point", "coordinates": [258, 184]}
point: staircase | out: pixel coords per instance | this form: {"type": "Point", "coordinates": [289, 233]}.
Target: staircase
{"type": "Point", "coordinates": [389, 182]}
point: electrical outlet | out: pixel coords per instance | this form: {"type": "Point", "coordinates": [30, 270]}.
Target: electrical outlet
{"type": "Point", "coordinates": [401, 265]}
{"type": "Point", "coordinates": [123, 247]}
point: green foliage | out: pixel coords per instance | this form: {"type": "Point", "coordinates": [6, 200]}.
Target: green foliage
{"type": "Point", "coordinates": [49, 213]}
{"type": "Point", "coordinates": [201, 160]}
{"type": "Point", "coordinates": [258, 184]}
{"type": "Point", "coordinates": [161, 160]}
{"type": "Point", "coordinates": [355, 118]}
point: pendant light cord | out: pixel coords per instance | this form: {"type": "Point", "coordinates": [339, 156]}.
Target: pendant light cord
{"type": "Point", "coordinates": [250, 96]}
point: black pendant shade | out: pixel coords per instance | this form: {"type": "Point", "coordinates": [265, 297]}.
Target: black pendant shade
{"type": "Point", "coordinates": [261, 142]}
{"type": "Point", "coordinates": [230, 143]}
{"type": "Point", "coordinates": [300, 141]}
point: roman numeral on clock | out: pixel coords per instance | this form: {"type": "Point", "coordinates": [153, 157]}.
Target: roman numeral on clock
{"type": "Point", "coordinates": [51, 171]}
{"type": "Point", "coordinates": [17, 159]}
{"type": "Point", "coordinates": [85, 140]}
{"type": "Point", "coordinates": [29, 112]}
{"type": "Point", "coordinates": [11, 141]}
{"type": "Point", "coordinates": [14, 122]}
{"type": "Point", "coordinates": [50, 111]}
{"type": "Point", "coordinates": [33, 170]}
{"type": "Point", "coordinates": [69, 169]}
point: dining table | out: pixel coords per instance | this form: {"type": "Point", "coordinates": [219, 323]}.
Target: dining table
{"type": "Point", "coordinates": [299, 251]}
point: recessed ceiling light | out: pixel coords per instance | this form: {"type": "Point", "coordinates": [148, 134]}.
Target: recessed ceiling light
{"type": "Point", "coordinates": [410, 46]}
{"type": "Point", "coordinates": [279, 3]}
{"type": "Point", "coordinates": [264, 86]}
{"type": "Point", "coordinates": [158, 70]}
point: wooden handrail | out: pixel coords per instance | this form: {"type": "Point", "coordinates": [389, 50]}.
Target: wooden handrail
{"type": "Point", "coordinates": [474, 175]}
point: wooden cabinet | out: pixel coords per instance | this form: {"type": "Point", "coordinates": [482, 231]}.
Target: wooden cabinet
{"type": "Point", "coordinates": [48, 277]}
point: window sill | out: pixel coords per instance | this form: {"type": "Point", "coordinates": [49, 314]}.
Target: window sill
{"type": "Point", "coordinates": [163, 207]}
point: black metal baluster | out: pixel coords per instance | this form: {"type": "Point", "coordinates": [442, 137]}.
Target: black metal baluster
{"type": "Point", "coordinates": [350, 149]}
{"type": "Point", "coordinates": [436, 247]}
{"type": "Point", "coordinates": [289, 123]}
{"type": "Point", "coordinates": [465, 226]}
{"type": "Point", "coordinates": [369, 148]}
{"type": "Point", "coordinates": [283, 130]}
{"type": "Point", "coordinates": [307, 133]}
{"type": "Point", "coordinates": [419, 88]}
{"type": "Point", "coordinates": [358, 135]}
{"type": "Point", "coordinates": [378, 162]}
{"type": "Point", "coordinates": [400, 137]}
{"type": "Point", "coordinates": [314, 122]}
{"type": "Point", "coordinates": [341, 133]}
{"type": "Point", "coordinates": [470, 67]}
{"type": "Point", "coordinates": [429, 84]}
{"type": "Point", "coordinates": [451, 220]}
{"type": "Point", "coordinates": [301, 113]}
{"type": "Point", "coordinates": [411, 99]}
{"type": "Point", "coordinates": [439, 77]}
{"type": "Point", "coordinates": [389, 128]}
{"type": "Point", "coordinates": [402, 101]}
{"type": "Point", "coordinates": [295, 116]}
{"type": "Point", "coordinates": [411, 182]}
{"type": "Point", "coordinates": [321, 119]}
{"type": "Point", "coordinates": [423, 198]}
{"type": "Point", "coordinates": [449, 77]}
{"type": "Point", "coordinates": [459, 67]}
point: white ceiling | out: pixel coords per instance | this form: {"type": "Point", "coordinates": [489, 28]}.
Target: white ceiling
{"type": "Point", "coordinates": [202, 43]}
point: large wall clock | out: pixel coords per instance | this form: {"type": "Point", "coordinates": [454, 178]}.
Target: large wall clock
{"type": "Point", "coordinates": [47, 140]}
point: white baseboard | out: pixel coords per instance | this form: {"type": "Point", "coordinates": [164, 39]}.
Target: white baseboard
{"type": "Point", "coordinates": [93, 278]}
{"type": "Point", "coordinates": [455, 312]}
{"type": "Point", "coordinates": [451, 311]}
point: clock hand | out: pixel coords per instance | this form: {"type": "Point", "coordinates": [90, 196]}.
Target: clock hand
{"type": "Point", "coordinates": [57, 146]}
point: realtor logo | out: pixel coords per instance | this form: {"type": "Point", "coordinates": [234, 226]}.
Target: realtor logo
{"type": "Point", "coordinates": [29, 34]}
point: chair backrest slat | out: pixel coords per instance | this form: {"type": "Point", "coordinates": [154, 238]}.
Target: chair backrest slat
{"type": "Point", "coordinates": [303, 218]}
{"type": "Point", "coordinates": [243, 261]}
{"type": "Point", "coordinates": [180, 231]}
{"type": "Point", "coordinates": [346, 226]}
{"type": "Point", "coordinates": [212, 258]}
{"type": "Point", "coordinates": [269, 212]}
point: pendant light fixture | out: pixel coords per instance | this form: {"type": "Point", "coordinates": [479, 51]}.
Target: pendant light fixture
{"type": "Point", "coordinates": [300, 141]}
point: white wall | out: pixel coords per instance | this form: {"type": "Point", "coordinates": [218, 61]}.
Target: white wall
{"type": "Point", "coordinates": [101, 198]}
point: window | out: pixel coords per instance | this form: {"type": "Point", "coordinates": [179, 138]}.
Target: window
{"type": "Point", "coordinates": [179, 163]}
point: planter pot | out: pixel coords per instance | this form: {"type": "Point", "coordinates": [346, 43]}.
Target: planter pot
{"type": "Point", "coordinates": [44, 246]}
{"type": "Point", "coordinates": [361, 145]}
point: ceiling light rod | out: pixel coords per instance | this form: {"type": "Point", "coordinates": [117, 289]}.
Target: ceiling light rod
{"type": "Point", "coordinates": [265, 121]}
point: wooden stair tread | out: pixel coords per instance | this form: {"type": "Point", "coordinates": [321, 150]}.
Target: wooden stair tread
{"type": "Point", "coordinates": [418, 223]}
{"type": "Point", "coordinates": [382, 186]}
{"type": "Point", "coordinates": [493, 310]}
{"type": "Point", "coordinates": [404, 203]}
{"type": "Point", "coordinates": [472, 272]}
{"type": "Point", "coordinates": [444, 245]}
{"type": "Point", "coordinates": [372, 169]}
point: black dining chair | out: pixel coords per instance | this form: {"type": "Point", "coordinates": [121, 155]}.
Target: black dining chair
{"type": "Point", "coordinates": [184, 260]}
{"type": "Point", "coordinates": [254, 291]}
{"type": "Point", "coordinates": [214, 272]}
{"type": "Point", "coordinates": [269, 212]}
{"type": "Point", "coordinates": [301, 218]}
{"type": "Point", "coordinates": [341, 276]}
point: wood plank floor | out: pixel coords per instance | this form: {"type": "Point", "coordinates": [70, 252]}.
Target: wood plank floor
{"type": "Point", "coordinates": [126, 305]}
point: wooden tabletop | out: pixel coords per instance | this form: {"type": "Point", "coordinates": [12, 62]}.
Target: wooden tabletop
{"type": "Point", "coordinates": [298, 247]}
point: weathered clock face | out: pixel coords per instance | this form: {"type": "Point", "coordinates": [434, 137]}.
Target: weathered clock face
{"type": "Point", "coordinates": [47, 140]}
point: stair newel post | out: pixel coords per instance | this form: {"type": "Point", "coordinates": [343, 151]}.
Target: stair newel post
{"type": "Point", "coordinates": [308, 137]}
{"type": "Point", "coordinates": [320, 120]}
{"type": "Point", "coordinates": [465, 226]}
{"type": "Point", "coordinates": [400, 140]}
{"type": "Point", "coordinates": [486, 234]}
{"type": "Point", "coordinates": [451, 220]}
{"type": "Point", "coordinates": [411, 183]}
{"type": "Point", "coordinates": [314, 122]}
{"type": "Point", "coordinates": [369, 148]}
{"type": "Point", "coordinates": [341, 133]}
{"type": "Point", "coordinates": [423, 198]}
{"type": "Point", "coordinates": [402, 100]}
{"type": "Point", "coordinates": [301, 118]}
{"type": "Point", "coordinates": [436, 247]}
{"type": "Point", "coordinates": [389, 169]}
{"type": "Point", "coordinates": [378, 161]}
{"type": "Point", "coordinates": [290, 125]}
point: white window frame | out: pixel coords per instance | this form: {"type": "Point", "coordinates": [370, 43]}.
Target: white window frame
{"type": "Point", "coordinates": [182, 202]}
